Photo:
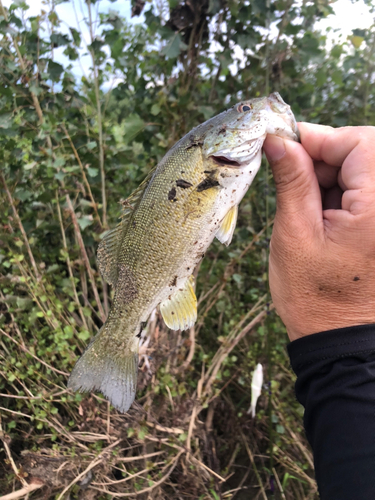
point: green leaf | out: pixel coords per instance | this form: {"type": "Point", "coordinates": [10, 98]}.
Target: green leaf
{"type": "Point", "coordinates": [30, 165]}
{"type": "Point", "coordinates": [35, 89]}
{"type": "Point", "coordinates": [174, 47]}
{"type": "Point", "coordinates": [93, 172]}
{"type": "Point", "coordinates": [132, 126]}
{"type": "Point", "coordinates": [22, 194]}
{"type": "Point", "coordinates": [59, 162]}
{"type": "Point", "coordinates": [6, 120]}
{"type": "Point", "coordinates": [55, 70]}
{"type": "Point", "coordinates": [356, 41]}
{"type": "Point", "coordinates": [76, 37]}
{"type": "Point", "coordinates": [85, 221]}
{"type": "Point", "coordinates": [59, 40]}
{"type": "Point", "coordinates": [155, 109]}
{"type": "Point", "coordinates": [91, 145]}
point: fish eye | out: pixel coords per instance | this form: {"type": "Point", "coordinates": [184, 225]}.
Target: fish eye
{"type": "Point", "coordinates": [244, 107]}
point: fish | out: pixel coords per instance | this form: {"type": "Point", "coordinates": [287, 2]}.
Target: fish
{"type": "Point", "coordinates": [256, 388]}
{"type": "Point", "coordinates": [167, 224]}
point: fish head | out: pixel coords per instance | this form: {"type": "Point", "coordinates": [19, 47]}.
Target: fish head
{"type": "Point", "coordinates": [235, 137]}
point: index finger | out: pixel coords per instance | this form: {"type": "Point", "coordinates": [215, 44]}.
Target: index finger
{"type": "Point", "coordinates": [351, 148]}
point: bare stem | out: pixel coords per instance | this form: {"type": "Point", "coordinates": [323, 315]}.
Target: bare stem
{"type": "Point", "coordinates": [69, 264]}
{"type": "Point", "coordinates": [20, 225]}
{"type": "Point", "coordinates": [85, 256]}
{"type": "Point", "coordinates": [100, 125]}
{"type": "Point", "coordinates": [94, 205]}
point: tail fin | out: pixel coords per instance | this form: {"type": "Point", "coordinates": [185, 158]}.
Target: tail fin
{"type": "Point", "coordinates": [110, 371]}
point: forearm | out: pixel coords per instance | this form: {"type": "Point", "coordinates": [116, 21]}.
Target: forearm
{"type": "Point", "coordinates": [336, 385]}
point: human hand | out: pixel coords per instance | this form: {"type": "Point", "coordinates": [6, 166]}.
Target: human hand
{"type": "Point", "coordinates": [322, 257]}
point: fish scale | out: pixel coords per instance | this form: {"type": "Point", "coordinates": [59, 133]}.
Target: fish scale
{"type": "Point", "coordinates": [168, 223]}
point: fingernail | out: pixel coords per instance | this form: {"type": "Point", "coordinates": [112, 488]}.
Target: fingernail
{"type": "Point", "coordinates": [274, 148]}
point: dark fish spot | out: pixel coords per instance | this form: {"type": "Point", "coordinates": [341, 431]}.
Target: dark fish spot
{"type": "Point", "coordinates": [188, 268]}
{"type": "Point", "coordinates": [221, 160]}
{"type": "Point", "coordinates": [223, 130]}
{"type": "Point", "coordinates": [172, 194]}
{"type": "Point", "coordinates": [356, 278]}
{"type": "Point", "coordinates": [126, 287]}
{"type": "Point", "coordinates": [207, 184]}
{"type": "Point", "coordinates": [172, 312]}
{"type": "Point", "coordinates": [173, 282]}
{"type": "Point", "coordinates": [209, 171]}
{"type": "Point", "coordinates": [183, 184]}
{"type": "Point", "coordinates": [152, 205]}
{"type": "Point", "coordinates": [222, 175]}
{"type": "Point", "coordinates": [143, 325]}
{"type": "Point", "coordinates": [195, 242]}
{"type": "Point", "coordinates": [194, 141]}
{"type": "Point", "coordinates": [134, 224]}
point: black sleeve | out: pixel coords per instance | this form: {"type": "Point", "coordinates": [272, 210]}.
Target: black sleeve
{"type": "Point", "coordinates": [336, 385]}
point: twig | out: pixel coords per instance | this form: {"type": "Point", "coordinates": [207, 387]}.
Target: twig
{"type": "Point", "coordinates": [170, 430]}
{"type": "Point", "coordinates": [100, 124]}
{"type": "Point", "coordinates": [22, 492]}
{"type": "Point", "coordinates": [279, 484]}
{"type": "Point", "coordinates": [38, 109]}
{"type": "Point", "coordinates": [20, 225]}
{"type": "Point", "coordinates": [146, 490]}
{"type": "Point", "coordinates": [190, 356]}
{"type": "Point", "coordinates": [139, 457]}
{"type": "Point", "coordinates": [94, 204]}
{"type": "Point", "coordinates": [227, 349]}
{"type": "Point", "coordinates": [23, 348]}
{"type": "Point", "coordinates": [10, 458]}
{"type": "Point", "coordinates": [85, 256]}
{"type": "Point", "coordinates": [201, 464]}
{"type": "Point", "coordinates": [191, 428]}
{"type": "Point", "coordinates": [93, 464]}
{"type": "Point", "coordinates": [69, 264]}
{"type": "Point", "coordinates": [254, 466]}
{"type": "Point", "coordinates": [128, 478]}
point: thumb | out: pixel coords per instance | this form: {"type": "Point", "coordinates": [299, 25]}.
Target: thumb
{"type": "Point", "coordinates": [297, 186]}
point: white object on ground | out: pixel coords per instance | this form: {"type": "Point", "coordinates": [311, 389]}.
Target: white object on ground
{"type": "Point", "coordinates": [256, 388]}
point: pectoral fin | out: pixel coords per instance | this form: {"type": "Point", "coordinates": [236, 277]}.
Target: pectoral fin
{"type": "Point", "coordinates": [180, 310]}
{"type": "Point", "coordinates": [227, 226]}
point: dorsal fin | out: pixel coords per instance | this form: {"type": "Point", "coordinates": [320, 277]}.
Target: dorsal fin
{"type": "Point", "coordinates": [109, 246]}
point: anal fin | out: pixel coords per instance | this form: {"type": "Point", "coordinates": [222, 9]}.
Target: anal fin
{"type": "Point", "coordinates": [227, 226]}
{"type": "Point", "coordinates": [180, 310]}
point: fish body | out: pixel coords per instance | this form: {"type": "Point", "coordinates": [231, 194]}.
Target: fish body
{"type": "Point", "coordinates": [256, 388]}
{"type": "Point", "coordinates": [169, 221]}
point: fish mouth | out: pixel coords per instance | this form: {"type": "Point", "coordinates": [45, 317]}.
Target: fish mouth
{"type": "Point", "coordinates": [237, 157]}
{"type": "Point", "coordinates": [223, 161]}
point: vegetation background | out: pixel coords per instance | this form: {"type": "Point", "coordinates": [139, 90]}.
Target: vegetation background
{"type": "Point", "coordinates": [72, 145]}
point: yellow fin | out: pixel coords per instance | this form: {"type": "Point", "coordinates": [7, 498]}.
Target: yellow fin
{"type": "Point", "coordinates": [180, 310]}
{"type": "Point", "coordinates": [227, 226]}
{"type": "Point", "coordinates": [109, 246]}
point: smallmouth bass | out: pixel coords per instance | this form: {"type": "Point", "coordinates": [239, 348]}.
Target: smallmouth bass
{"type": "Point", "coordinates": [186, 201]}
